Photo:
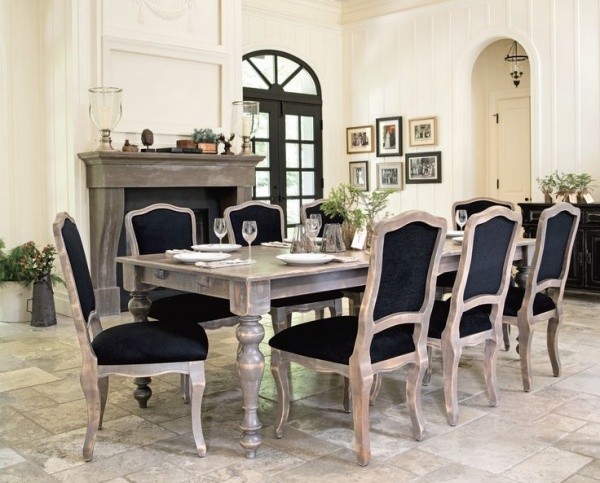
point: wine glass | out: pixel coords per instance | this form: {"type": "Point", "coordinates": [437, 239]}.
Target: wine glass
{"type": "Point", "coordinates": [461, 218]}
{"type": "Point", "coordinates": [311, 227]}
{"type": "Point", "coordinates": [317, 216]}
{"type": "Point", "coordinates": [220, 227]}
{"type": "Point", "coordinates": [249, 232]}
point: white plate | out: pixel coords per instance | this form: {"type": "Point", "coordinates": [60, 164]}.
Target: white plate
{"type": "Point", "coordinates": [305, 258]}
{"type": "Point", "coordinates": [458, 240]}
{"type": "Point", "coordinates": [200, 257]}
{"type": "Point", "coordinates": [454, 233]}
{"type": "Point", "coordinates": [214, 247]}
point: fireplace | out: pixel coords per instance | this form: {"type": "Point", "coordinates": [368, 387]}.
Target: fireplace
{"type": "Point", "coordinates": [119, 182]}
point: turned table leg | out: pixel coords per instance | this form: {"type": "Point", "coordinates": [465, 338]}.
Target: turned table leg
{"type": "Point", "coordinates": [251, 363]}
{"type": "Point", "coordinates": [139, 306]}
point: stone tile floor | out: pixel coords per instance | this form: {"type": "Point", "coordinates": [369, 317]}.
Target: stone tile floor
{"type": "Point", "coordinates": [550, 434]}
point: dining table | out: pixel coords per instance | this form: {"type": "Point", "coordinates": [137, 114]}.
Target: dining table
{"type": "Point", "coordinates": [250, 289]}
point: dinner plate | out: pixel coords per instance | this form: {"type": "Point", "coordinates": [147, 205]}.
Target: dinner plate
{"type": "Point", "coordinates": [458, 240]}
{"type": "Point", "coordinates": [215, 247]}
{"type": "Point", "coordinates": [200, 257]}
{"type": "Point", "coordinates": [305, 258]}
{"type": "Point", "coordinates": [454, 233]}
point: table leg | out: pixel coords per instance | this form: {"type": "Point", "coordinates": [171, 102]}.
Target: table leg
{"type": "Point", "coordinates": [251, 363]}
{"type": "Point", "coordinates": [139, 306]}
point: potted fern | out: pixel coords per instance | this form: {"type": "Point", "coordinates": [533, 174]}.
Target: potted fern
{"type": "Point", "coordinates": [206, 139]}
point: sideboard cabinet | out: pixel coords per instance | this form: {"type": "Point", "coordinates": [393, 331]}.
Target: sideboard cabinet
{"type": "Point", "coordinates": [584, 272]}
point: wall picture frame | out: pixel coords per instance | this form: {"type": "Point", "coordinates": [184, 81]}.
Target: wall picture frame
{"type": "Point", "coordinates": [389, 136]}
{"type": "Point", "coordinates": [359, 175]}
{"type": "Point", "coordinates": [423, 167]}
{"type": "Point", "coordinates": [359, 139]}
{"type": "Point", "coordinates": [423, 131]}
{"type": "Point", "coordinates": [389, 176]}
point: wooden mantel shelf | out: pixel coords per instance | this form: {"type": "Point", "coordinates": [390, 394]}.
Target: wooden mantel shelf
{"type": "Point", "coordinates": [109, 174]}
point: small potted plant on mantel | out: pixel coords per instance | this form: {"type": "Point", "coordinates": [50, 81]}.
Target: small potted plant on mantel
{"type": "Point", "coordinates": [206, 139]}
{"type": "Point", "coordinates": [26, 274]}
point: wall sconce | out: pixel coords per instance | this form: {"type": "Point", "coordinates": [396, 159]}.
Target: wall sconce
{"type": "Point", "coordinates": [514, 58]}
{"type": "Point", "coordinates": [244, 123]}
{"type": "Point", "coordinates": [105, 112]}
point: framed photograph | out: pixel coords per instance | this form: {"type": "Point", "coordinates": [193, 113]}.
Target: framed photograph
{"type": "Point", "coordinates": [423, 167]}
{"type": "Point", "coordinates": [359, 175]}
{"type": "Point", "coordinates": [359, 139]}
{"type": "Point", "coordinates": [389, 176]}
{"type": "Point", "coordinates": [422, 132]}
{"type": "Point", "coordinates": [389, 136]}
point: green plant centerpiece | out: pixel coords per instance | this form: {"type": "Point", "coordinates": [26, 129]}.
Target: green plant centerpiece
{"type": "Point", "coordinates": [358, 209]}
{"type": "Point", "coordinates": [28, 266]}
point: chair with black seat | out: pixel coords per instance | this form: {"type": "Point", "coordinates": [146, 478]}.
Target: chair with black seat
{"type": "Point", "coordinates": [390, 331]}
{"type": "Point", "coordinates": [270, 222]}
{"type": "Point", "coordinates": [141, 349]}
{"type": "Point", "coordinates": [473, 313]}
{"type": "Point", "coordinates": [525, 308]}
{"type": "Point", "coordinates": [353, 294]}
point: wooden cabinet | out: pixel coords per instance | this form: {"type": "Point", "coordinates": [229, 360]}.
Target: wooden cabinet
{"type": "Point", "coordinates": [584, 272]}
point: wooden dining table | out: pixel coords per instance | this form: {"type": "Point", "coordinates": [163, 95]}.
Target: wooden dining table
{"type": "Point", "coordinates": [250, 289]}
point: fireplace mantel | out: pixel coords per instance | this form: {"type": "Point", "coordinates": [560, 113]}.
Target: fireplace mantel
{"type": "Point", "coordinates": [110, 174]}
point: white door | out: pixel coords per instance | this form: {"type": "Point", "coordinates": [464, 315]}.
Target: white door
{"type": "Point", "coordinates": [511, 150]}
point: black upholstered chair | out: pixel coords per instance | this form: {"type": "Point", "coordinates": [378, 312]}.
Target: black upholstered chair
{"type": "Point", "coordinates": [160, 227]}
{"type": "Point", "coordinates": [134, 349]}
{"type": "Point", "coordinates": [525, 308]}
{"type": "Point", "coordinates": [270, 223]}
{"type": "Point", "coordinates": [473, 314]}
{"type": "Point", "coordinates": [390, 331]}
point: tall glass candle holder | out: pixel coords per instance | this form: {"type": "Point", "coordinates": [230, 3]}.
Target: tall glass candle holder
{"type": "Point", "coordinates": [244, 123]}
{"type": "Point", "coordinates": [105, 111]}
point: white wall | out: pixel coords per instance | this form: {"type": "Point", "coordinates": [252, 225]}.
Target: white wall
{"type": "Point", "coordinates": [420, 62]}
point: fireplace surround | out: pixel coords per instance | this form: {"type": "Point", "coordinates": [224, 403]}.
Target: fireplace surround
{"type": "Point", "coordinates": [119, 182]}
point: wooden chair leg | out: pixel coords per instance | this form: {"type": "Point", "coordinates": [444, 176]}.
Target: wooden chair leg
{"type": "Point", "coordinates": [360, 386]}
{"type": "Point", "coordinates": [185, 388]}
{"type": "Point", "coordinates": [280, 319]}
{"type": "Point", "coordinates": [506, 336]}
{"type": "Point", "coordinates": [103, 388]}
{"type": "Point", "coordinates": [375, 388]}
{"type": "Point", "coordinates": [91, 391]}
{"type": "Point", "coordinates": [197, 382]}
{"type": "Point", "coordinates": [450, 359]}
{"type": "Point", "coordinates": [525, 340]}
{"type": "Point", "coordinates": [427, 376]}
{"type": "Point", "coordinates": [490, 360]}
{"type": "Point", "coordinates": [347, 395]}
{"type": "Point", "coordinates": [552, 344]}
{"type": "Point", "coordinates": [279, 369]}
{"type": "Point", "coordinates": [336, 310]}
{"type": "Point", "coordinates": [413, 397]}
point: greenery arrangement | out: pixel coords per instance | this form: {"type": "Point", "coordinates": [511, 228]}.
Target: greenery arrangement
{"type": "Point", "coordinates": [204, 135]}
{"type": "Point", "coordinates": [358, 208]}
{"type": "Point", "coordinates": [27, 264]}
{"type": "Point", "coordinates": [560, 185]}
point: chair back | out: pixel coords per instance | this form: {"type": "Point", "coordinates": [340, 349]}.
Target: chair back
{"type": "Point", "coordinates": [77, 279]}
{"type": "Point", "coordinates": [160, 227]}
{"type": "Point", "coordinates": [556, 232]}
{"type": "Point", "coordinates": [269, 221]}
{"type": "Point", "coordinates": [477, 205]}
{"type": "Point", "coordinates": [405, 254]}
{"type": "Point", "coordinates": [488, 250]}
{"type": "Point", "coordinates": [315, 208]}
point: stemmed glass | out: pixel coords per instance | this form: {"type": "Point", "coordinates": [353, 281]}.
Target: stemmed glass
{"type": "Point", "coordinates": [461, 218]}
{"type": "Point", "coordinates": [317, 216]}
{"type": "Point", "coordinates": [312, 230]}
{"type": "Point", "coordinates": [220, 227]}
{"type": "Point", "coordinates": [249, 232]}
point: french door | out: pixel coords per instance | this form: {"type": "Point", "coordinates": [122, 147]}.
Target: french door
{"type": "Point", "coordinates": [289, 136]}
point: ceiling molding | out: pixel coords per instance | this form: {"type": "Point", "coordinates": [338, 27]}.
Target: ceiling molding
{"type": "Point", "coordinates": [358, 10]}
{"type": "Point", "coordinates": [327, 13]}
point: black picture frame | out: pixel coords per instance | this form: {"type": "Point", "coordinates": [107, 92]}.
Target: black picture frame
{"type": "Point", "coordinates": [389, 136]}
{"type": "Point", "coordinates": [359, 175]}
{"type": "Point", "coordinates": [423, 167]}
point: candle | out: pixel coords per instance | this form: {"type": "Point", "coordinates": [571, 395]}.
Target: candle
{"type": "Point", "coordinates": [246, 123]}
{"type": "Point", "coordinates": [105, 115]}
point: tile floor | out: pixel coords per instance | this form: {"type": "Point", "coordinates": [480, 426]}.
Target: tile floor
{"type": "Point", "coordinates": [550, 434]}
